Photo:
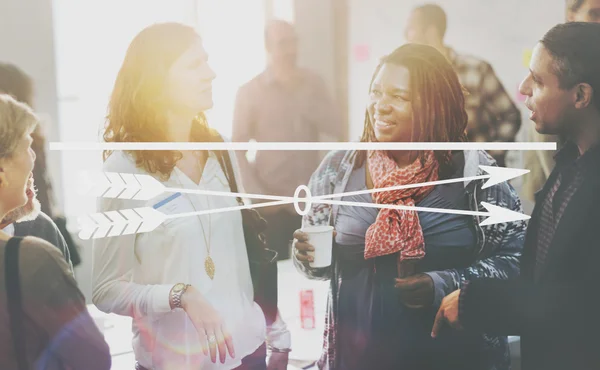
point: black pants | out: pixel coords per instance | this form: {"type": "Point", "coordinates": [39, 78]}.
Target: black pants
{"type": "Point", "coordinates": [255, 361]}
{"type": "Point", "coordinates": [280, 231]}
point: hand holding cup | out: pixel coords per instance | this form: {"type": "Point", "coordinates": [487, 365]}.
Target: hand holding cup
{"type": "Point", "coordinates": [313, 245]}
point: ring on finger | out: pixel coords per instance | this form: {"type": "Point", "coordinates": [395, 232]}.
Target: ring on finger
{"type": "Point", "coordinates": [212, 339]}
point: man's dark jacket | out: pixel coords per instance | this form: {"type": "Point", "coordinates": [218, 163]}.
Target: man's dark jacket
{"type": "Point", "coordinates": [557, 315]}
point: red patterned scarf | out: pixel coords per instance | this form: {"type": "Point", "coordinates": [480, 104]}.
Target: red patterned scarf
{"type": "Point", "coordinates": [395, 230]}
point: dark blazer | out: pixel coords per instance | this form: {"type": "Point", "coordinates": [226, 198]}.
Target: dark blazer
{"type": "Point", "coordinates": [557, 315]}
{"type": "Point", "coordinates": [44, 228]}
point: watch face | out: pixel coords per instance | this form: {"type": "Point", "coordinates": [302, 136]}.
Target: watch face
{"type": "Point", "coordinates": [178, 287]}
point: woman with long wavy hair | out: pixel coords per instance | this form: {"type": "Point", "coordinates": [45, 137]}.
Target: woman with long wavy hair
{"type": "Point", "coordinates": [391, 268]}
{"type": "Point", "coordinates": [186, 284]}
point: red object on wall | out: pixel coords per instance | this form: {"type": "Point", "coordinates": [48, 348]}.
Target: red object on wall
{"type": "Point", "coordinates": [307, 309]}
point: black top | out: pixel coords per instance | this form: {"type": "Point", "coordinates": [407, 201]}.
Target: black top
{"type": "Point", "coordinates": [556, 314]}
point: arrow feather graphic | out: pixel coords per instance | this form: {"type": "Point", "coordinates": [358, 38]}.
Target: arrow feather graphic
{"type": "Point", "coordinates": [91, 183]}
{"type": "Point", "coordinates": [117, 185]}
{"type": "Point", "coordinates": [122, 222]}
{"type": "Point", "coordinates": [132, 186]}
{"type": "Point", "coordinates": [103, 224]}
{"type": "Point", "coordinates": [146, 219]}
{"type": "Point", "coordinates": [149, 187]}
{"type": "Point", "coordinates": [133, 221]}
{"type": "Point", "coordinates": [120, 185]}
{"type": "Point", "coordinates": [151, 219]}
{"type": "Point", "coordinates": [145, 187]}
{"type": "Point", "coordinates": [119, 223]}
{"type": "Point", "coordinates": [87, 227]}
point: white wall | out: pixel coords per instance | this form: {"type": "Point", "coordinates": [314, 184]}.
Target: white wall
{"type": "Point", "coordinates": [314, 24]}
{"type": "Point", "coordinates": [235, 43]}
{"type": "Point", "coordinates": [27, 40]}
{"type": "Point", "coordinates": [321, 28]}
{"type": "Point", "coordinates": [498, 31]}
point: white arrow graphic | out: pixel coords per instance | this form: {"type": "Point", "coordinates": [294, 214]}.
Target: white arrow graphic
{"type": "Point", "coordinates": [120, 185]}
{"type": "Point", "coordinates": [499, 215]}
{"type": "Point", "coordinates": [501, 174]}
{"type": "Point", "coordinates": [93, 183]}
{"type": "Point", "coordinates": [145, 187]}
{"type": "Point", "coordinates": [117, 185]}
{"type": "Point", "coordinates": [146, 219]}
{"type": "Point", "coordinates": [495, 214]}
{"type": "Point", "coordinates": [496, 176]}
{"type": "Point", "coordinates": [122, 222]}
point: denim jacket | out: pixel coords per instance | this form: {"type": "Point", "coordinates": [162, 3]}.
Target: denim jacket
{"type": "Point", "coordinates": [499, 246]}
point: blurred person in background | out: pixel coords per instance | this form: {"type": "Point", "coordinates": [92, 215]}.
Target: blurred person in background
{"type": "Point", "coordinates": [44, 323]}
{"type": "Point", "coordinates": [391, 269]}
{"type": "Point", "coordinates": [38, 217]}
{"type": "Point", "coordinates": [492, 114]}
{"type": "Point", "coordinates": [583, 11]}
{"type": "Point", "coordinates": [285, 103]}
{"type": "Point", "coordinates": [187, 284]}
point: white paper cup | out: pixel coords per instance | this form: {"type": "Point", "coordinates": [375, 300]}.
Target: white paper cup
{"type": "Point", "coordinates": [321, 238]}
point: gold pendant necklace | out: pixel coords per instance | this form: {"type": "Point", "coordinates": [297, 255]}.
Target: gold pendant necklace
{"type": "Point", "coordinates": [209, 267]}
{"type": "Point", "coordinates": [209, 264]}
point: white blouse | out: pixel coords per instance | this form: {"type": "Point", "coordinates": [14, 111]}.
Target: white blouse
{"type": "Point", "coordinates": [133, 274]}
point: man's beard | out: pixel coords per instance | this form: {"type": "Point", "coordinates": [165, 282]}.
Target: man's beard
{"type": "Point", "coordinates": [28, 212]}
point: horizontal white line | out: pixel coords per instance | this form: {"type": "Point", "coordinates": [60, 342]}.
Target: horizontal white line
{"type": "Point", "coordinates": [336, 202]}
{"type": "Point", "coordinates": [228, 194]}
{"type": "Point", "coordinates": [317, 199]}
{"type": "Point", "coordinates": [99, 146]}
{"type": "Point", "coordinates": [229, 209]}
{"type": "Point", "coordinates": [405, 208]}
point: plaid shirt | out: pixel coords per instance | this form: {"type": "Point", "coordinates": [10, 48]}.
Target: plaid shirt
{"type": "Point", "coordinates": [499, 246]}
{"type": "Point", "coordinates": [493, 116]}
{"type": "Point", "coordinates": [568, 181]}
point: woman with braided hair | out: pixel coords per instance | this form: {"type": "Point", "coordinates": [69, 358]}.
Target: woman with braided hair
{"type": "Point", "coordinates": [391, 269]}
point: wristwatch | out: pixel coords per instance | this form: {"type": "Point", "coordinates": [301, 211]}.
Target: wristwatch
{"type": "Point", "coordinates": [278, 350]}
{"type": "Point", "coordinates": [176, 293]}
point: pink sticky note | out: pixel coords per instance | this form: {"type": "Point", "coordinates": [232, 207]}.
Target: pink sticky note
{"type": "Point", "coordinates": [362, 52]}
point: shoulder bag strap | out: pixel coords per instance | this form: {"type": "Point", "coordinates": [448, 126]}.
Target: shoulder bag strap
{"type": "Point", "coordinates": [226, 166]}
{"type": "Point", "coordinates": [15, 304]}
